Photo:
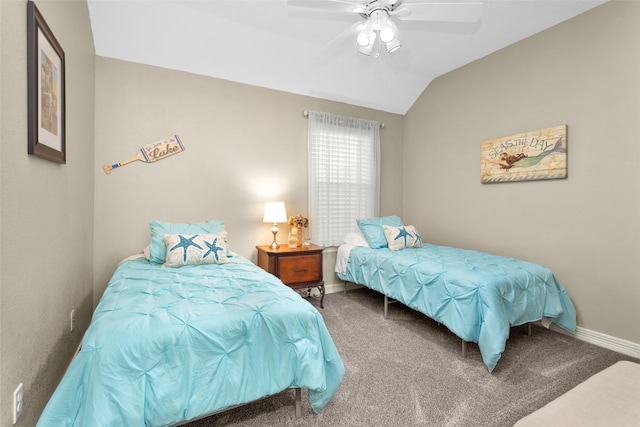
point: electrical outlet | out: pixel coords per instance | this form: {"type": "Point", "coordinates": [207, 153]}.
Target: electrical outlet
{"type": "Point", "coordinates": [72, 319]}
{"type": "Point", "coordinates": [18, 403]}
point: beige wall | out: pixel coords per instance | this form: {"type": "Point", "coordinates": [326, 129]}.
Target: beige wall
{"type": "Point", "coordinates": [46, 214]}
{"type": "Point", "coordinates": [584, 73]}
{"type": "Point", "coordinates": [247, 145]}
{"type": "Point", "coordinates": [244, 146]}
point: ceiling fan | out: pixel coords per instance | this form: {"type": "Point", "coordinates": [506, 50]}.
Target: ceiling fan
{"type": "Point", "coordinates": [378, 31]}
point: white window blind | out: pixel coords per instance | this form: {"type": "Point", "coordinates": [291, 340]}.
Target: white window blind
{"type": "Point", "coordinates": [344, 183]}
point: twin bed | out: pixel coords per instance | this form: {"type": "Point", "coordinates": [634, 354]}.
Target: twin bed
{"type": "Point", "coordinates": [168, 345]}
{"type": "Point", "coordinates": [476, 295]}
{"type": "Point", "coordinates": [190, 329]}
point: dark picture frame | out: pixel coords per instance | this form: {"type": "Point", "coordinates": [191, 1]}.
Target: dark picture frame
{"type": "Point", "coordinates": [46, 90]}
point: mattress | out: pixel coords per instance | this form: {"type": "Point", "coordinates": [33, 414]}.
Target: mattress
{"type": "Point", "coordinates": [167, 345]}
{"type": "Point", "coordinates": [478, 296]}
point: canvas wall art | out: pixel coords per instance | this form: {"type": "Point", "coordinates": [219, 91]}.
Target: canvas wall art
{"type": "Point", "coordinates": [534, 155]}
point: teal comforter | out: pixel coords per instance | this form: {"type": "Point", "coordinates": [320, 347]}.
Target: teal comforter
{"type": "Point", "coordinates": [171, 344]}
{"type": "Point", "coordinates": [478, 296]}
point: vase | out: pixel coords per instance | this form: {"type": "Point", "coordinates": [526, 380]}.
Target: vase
{"type": "Point", "coordinates": [295, 238]}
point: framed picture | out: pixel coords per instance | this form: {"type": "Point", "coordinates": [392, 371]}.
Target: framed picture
{"type": "Point", "coordinates": [534, 155]}
{"type": "Point", "coordinates": [46, 90]}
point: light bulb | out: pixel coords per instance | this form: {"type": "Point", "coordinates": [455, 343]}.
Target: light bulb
{"type": "Point", "coordinates": [387, 34]}
{"type": "Point", "coordinates": [366, 50]}
{"type": "Point", "coordinates": [363, 38]}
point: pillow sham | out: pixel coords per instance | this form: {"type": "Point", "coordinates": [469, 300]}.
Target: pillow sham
{"type": "Point", "coordinates": [157, 247]}
{"type": "Point", "coordinates": [374, 233]}
{"type": "Point", "coordinates": [356, 238]}
{"type": "Point", "coordinates": [195, 249]}
{"type": "Point", "coordinates": [402, 237]}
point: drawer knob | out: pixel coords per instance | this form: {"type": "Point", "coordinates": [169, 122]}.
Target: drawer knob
{"type": "Point", "coordinates": [300, 271]}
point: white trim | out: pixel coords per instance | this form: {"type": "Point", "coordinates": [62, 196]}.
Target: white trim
{"type": "Point", "coordinates": [602, 340]}
{"type": "Point", "coordinates": [332, 288]}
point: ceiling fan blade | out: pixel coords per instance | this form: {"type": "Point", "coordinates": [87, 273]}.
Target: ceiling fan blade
{"type": "Point", "coordinates": [337, 44]}
{"type": "Point", "coordinates": [335, 5]}
{"type": "Point", "coordinates": [445, 12]}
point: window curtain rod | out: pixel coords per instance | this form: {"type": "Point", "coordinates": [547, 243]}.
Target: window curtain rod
{"type": "Point", "coordinates": [306, 114]}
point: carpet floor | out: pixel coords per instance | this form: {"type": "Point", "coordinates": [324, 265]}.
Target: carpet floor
{"type": "Point", "coordinates": [409, 371]}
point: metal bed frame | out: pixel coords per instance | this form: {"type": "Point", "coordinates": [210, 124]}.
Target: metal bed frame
{"type": "Point", "coordinates": [297, 391]}
{"type": "Point", "coordinates": [298, 407]}
{"type": "Point", "coordinates": [388, 301]}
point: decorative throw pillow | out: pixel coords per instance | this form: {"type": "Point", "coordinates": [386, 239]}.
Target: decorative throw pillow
{"type": "Point", "coordinates": [194, 249]}
{"type": "Point", "coordinates": [157, 247]}
{"type": "Point", "coordinates": [402, 237]}
{"type": "Point", "coordinates": [373, 231]}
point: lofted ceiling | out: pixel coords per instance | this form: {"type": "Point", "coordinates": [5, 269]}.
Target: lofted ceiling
{"type": "Point", "coordinates": [313, 52]}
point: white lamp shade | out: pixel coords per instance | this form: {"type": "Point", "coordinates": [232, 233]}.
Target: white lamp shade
{"type": "Point", "coordinates": [387, 32]}
{"type": "Point", "coordinates": [274, 212]}
{"type": "Point", "coordinates": [366, 35]}
{"type": "Point", "coordinates": [366, 50]}
{"type": "Point", "coordinates": [394, 45]}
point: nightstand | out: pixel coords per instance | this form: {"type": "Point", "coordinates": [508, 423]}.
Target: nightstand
{"type": "Point", "coordinates": [299, 268]}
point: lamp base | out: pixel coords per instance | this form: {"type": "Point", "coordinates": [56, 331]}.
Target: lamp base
{"type": "Point", "coordinates": [274, 230]}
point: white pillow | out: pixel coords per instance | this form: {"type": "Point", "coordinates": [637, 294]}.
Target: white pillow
{"type": "Point", "coordinates": [402, 237]}
{"type": "Point", "coordinates": [194, 249]}
{"type": "Point", "coordinates": [356, 239]}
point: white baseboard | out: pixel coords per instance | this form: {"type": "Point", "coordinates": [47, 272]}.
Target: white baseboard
{"type": "Point", "coordinates": [602, 340]}
{"type": "Point", "coordinates": [332, 288]}
{"type": "Point", "coordinates": [592, 337]}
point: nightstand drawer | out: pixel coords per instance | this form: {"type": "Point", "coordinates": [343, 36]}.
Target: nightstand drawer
{"type": "Point", "coordinates": [300, 269]}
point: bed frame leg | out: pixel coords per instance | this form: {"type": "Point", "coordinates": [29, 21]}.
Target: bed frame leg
{"type": "Point", "coordinates": [386, 307]}
{"type": "Point", "coordinates": [529, 331]}
{"type": "Point", "coordinates": [464, 349]}
{"type": "Point", "coordinates": [298, 391]}
{"type": "Point", "coordinates": [345, 287]}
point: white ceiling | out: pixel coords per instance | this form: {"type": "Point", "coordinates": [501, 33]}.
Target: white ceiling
{"type": "Point", "coordinates": [271, 44]}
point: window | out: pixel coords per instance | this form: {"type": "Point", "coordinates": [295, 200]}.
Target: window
{"type": "Point", "coordinates": [344, 183]}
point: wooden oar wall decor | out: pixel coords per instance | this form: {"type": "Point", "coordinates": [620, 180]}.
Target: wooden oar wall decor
{"type": "Point", "coordinates": [152, 152]}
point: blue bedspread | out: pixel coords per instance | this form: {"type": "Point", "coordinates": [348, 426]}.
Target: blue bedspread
{"type": "Point", "coordinates": [170, 344]}
{"type": "Point", "coordinates": [478, 296]}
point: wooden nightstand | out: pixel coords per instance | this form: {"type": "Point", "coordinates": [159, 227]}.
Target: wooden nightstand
{"type": "Point", "coordinates": [299, 268]}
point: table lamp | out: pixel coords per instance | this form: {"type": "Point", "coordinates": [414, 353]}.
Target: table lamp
{"type": "Point", "coordinates": [274, 213]}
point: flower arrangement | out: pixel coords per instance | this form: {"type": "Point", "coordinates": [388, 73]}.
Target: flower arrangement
{"type": "Point", "coordinates": [298, 221]}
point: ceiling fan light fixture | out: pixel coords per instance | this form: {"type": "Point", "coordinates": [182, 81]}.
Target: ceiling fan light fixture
{"type": "Point", "coordinates": [366, 50]}
{"type": "Point", "coordinates": [390, 31]}
{"type": "Point", "coordinates": [365, 38]}
{"type": "Point", "coordinates": [366, 35]}
{"type": "Point", "coordinates": [379, 17]}
{"type": "Point", "coordinates": [387, 34]}
{"type": "Point", "coordinates": [375, 17]}
{"type": "Point", "coordinates": [394, 45]}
